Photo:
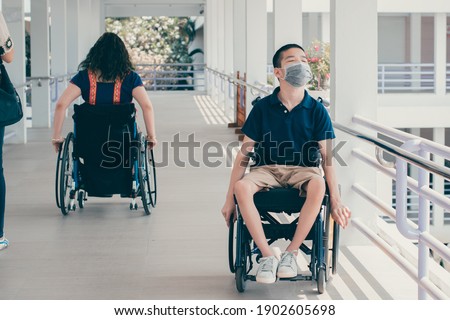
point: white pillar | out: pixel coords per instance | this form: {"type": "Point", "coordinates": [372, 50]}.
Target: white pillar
{"type": "Point", "coordinates": [40, 64]}
{"type": "Point", "coordinates": [220, 43]}
{"type": "Point", "coordinates": [228, 55]}
{"type": "Point", "coordinates": [58, 46]}
{"type": "Point", "coordinates": [239, 36]}
{"type": "Point", "coordinates": [214, 50]}
{"type": "Point", "coordinates": [325, 27]}
{"type": "Point", "coordinates": [208, 43]}
{"type": "Point", "coordinates": [312, 29]}
{"type": "Point", "coordinates": [13, 11]}
{"type": "Point", "coordinates": [359, 98]}
{"type": "Point", "coordinates": [416, 44]}
{"type": "Point", "coordinates": [256, 53]}
{"type": "Point", "coordinates": [85, 34]}
{"type": "Point", "coordinates": [440, 52]}
{"type": "Point", "coordinates": [97, 24]}
{"type": "Point", "coordinates": [438, 227]}
{"type": "Point", "coordinates": [73, 58]}
{"type": "Point", "coordinates": [287, 22]}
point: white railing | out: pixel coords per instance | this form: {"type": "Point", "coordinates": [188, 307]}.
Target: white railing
{"type": "Point", "coordinates": [172, 76]}
{"type": "Point", "coordinates": [447, 76]}
{"type": "Point", "coordinates": [406, 77]}
{"type": "Point", "coordinates": [400, 77]}
{"type": "Point", "coordinates": [415, 151]}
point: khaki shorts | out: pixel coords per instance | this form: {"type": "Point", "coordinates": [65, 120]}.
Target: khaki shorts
{"type": "Point", "coordinates": [276, 176]}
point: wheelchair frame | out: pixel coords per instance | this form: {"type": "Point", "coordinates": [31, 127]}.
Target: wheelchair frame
{"type": "Point", "coordinates": [324, 235]}
{"type": "Point", "coordinates": [68, 190]}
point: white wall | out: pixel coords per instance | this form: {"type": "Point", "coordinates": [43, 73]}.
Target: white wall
{"type": "Point", "coordinates": [391, 39]}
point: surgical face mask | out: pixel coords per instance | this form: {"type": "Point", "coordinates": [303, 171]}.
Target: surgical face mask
{"type": "Point", "coordinates": [297, 74]}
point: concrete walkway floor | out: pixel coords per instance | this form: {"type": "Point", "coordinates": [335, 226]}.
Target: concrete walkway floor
{"type": "Point", "coordinates": [106, 251]}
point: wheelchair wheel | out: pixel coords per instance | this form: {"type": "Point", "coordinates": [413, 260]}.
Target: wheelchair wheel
{"type": "Point", "coordinates": [243, 257]}
{"type": "Point", "coordinates": [81, 198]}
{"type": "Point", "coordinates": [151, 175]}
{"type": "Point", "coordinates": [321, 281]}
{"type": "Point", "coordinates": [335, 255]}
{"type": "Point", "coordinates": [143, 177]}
{"type": "Point", "coordinates": [231, 245]}
{"type": "Point", "coordinates": [66, 178]}
{"type": "Point", "coordinates": [58, 166]}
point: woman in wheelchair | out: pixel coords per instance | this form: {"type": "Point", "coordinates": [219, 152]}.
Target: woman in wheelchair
{"type": "Point", "coordinates": [105, 154]}
{"type": "Point", "coordinates": [106, 76]}
{"type": "Point", "coordinates": [281, 128]}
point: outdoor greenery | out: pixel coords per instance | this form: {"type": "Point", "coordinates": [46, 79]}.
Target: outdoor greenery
{"type": "Point", "coordinates": [158, 40]}
{"type": "Point", "coordinates": [155, 39]}
{"type": "Point", "coordinates": [318, 54]}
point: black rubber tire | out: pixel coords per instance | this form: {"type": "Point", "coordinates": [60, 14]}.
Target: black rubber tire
{"type": "Point", "coordinates": [240, 278]}
{"type": "Point", "coordinates": [65, 179]}
{"type": "Point", "coordinates": [321, 281]}
{"type": "Point", "coordinates": [231, 245]}
{"type": "Point", "coordinates": [151, 175]}
{"type": "Point", "coordinates": [81, 199]}
{"type": "Point", "coordinates": [58, 166]}
{"type": "Point", "coordinates": [335, 254]}
{"type": "Point", "coordinates": [143, 177]}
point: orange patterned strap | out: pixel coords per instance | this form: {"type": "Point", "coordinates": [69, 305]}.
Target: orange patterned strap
{"type": "Point", "coordinates": [117, 87]}
{"type": "Point", "coordinates": [93, 89]}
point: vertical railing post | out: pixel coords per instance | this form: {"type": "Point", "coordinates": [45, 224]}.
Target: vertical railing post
{"type": "Point", "coordinates": [424, 225]}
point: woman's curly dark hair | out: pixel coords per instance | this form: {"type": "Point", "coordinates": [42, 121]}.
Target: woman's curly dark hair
{"type": "Point", "coordinates": [108, 58]}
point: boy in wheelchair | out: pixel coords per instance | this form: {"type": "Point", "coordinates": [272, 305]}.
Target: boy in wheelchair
{"type": "Point", "coordinates": [283, 129]}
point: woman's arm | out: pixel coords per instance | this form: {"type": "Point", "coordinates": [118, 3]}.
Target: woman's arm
{"type": "Point", "coordinates": [144, 102]}
{"type": "Point", "coordinates": [69, 95]}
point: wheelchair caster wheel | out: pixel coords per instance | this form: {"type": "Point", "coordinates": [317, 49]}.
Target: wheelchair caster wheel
{"type": "Point", "coordinates": [131, 206]}
{"type": "Point", "coordinates": [135, 206]}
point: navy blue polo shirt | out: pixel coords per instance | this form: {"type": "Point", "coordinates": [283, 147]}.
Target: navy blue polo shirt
{"type": "Point", "coordinates": [287, 137]}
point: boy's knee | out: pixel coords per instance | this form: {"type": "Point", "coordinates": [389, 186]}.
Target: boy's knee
{"type": "Point", "coordinates": [242, 187]}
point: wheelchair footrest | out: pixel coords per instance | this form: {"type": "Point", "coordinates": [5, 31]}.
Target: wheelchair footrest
{"type": "Point", "coordinates": [299, 277]}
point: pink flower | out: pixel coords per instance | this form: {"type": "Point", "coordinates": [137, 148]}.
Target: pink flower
{"type": "Point", "coordinates": [316, 47]}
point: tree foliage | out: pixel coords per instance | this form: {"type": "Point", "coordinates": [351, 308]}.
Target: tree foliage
{"type": "Point", "coordinates": [155, 39]}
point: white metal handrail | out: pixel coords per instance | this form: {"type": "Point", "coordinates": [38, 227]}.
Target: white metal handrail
{"type": "Point", "coordinates": [419, 233]}
{"type": "Point", "coordinates": [172, 76]}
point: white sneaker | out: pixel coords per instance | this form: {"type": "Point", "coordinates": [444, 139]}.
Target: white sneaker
{"type": "Point", "coordinates": [288, 265]}
{"type": "Point", "coordinates": [3, 243]}
{"type": "Point", "coordinates": [267, 270]}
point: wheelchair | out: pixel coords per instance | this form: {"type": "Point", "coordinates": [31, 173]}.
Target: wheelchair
{"type": "Point", "coordinates": [103, 156]}
{"type": "Point", "coordinates": [324, 237]}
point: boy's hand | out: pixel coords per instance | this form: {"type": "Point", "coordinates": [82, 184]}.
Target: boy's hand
{"type": "Point", "coordinates": [341, 214]}
{"type": "Point", "coordinates": [229, 208]}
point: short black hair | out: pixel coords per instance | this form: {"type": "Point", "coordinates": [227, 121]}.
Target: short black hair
{"type": "Point", "coordinates": [276, 60]}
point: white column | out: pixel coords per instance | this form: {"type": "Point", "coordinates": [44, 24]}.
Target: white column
{"type": "Point", "coordinates": [214, 50]}
{"type": "Point", "coordinates": [228, 55]}
{"type": "Point", "coordinates": [97, 24]}
{"type": "Point", "coordinates": [220, 43]}
{"type": "Point", "coordinates": [416, 44]}
{"type": "Point", "coordinates": [85, 34]}
{"type": "Point", "coordinates": [312, 30]}
{"type": "Point", "coordinates": [40, 64]}
{"type": "Point", "coordinates": [287, 22]}
{"type": "Point", "coordinates": [438, 227]}
{"type": "Point", "coordinates": [73, 59]}
{"type": "Point", "coordinates": [325, 26]}
{"type": "Point", "coordinates": [256, 53]}
{"type": "Point", "coordinates": [58, 46]}
{"type": "Point", "coordinates": [239, 36]}
{"type": "Point", "coordinates": [440, 52]}
{"type": "Point", "coordinates": [13, 11]}
{"type": "Point", "coordinates": [208, 43]}
{"type": "Point", "coordinates": [358, 98]}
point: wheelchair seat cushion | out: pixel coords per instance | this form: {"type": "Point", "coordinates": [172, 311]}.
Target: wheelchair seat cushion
{"type": "Point", "coordinates": [279, 200]}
